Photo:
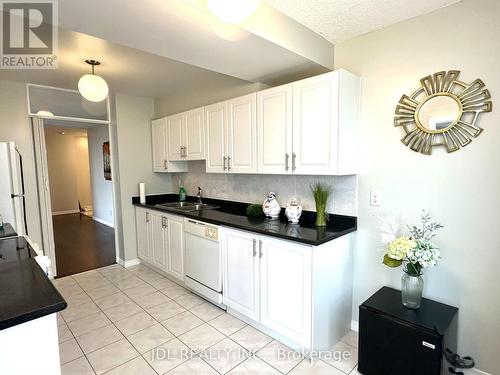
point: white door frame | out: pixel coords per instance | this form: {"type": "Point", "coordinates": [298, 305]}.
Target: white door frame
{"type": "Point", "coordinates": [44, 189]}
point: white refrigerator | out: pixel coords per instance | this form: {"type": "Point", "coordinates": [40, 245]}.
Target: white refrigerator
{"type": "Point", "coordinates": [12, 200]}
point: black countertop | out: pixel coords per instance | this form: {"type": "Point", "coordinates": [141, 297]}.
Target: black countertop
{"type": "Point", "coordinates": [26, 293]}
{"type": "Point", "coordinates": [7, 231]}
{"type": "Point", "coordinates": [233, 214]}
{"type": "Point", "coordinates": [433, 316]}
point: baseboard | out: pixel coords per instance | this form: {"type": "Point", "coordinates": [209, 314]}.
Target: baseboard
{"type": "Point", "coordinates": [355, 328]}
{"type": "Point", "coordinates": [355, 325]}
{"type": "Point", "coordinates": [128, 263]}
{"type": "Point", "coordinates": [112, 225]}
{"type": "Point", "coordinates": [65, 212]}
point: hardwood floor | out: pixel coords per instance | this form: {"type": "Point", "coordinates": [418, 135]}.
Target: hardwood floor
{"type": "Point", "coordinates": [82, 244]}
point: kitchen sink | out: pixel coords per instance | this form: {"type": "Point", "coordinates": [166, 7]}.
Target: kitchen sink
{"type": "Point", "coordinates": [187, 206]}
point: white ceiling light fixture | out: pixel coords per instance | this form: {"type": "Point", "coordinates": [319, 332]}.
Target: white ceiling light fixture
{"type": "Point", "coordinates": [232, 11]}
{"type": "Point", "coordinates": [44, 113]}
{"type": "Point", "coordinates": [91, 86]}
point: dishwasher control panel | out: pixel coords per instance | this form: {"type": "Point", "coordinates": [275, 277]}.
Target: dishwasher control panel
{"type": "Point", "coordinates": [211, 233]}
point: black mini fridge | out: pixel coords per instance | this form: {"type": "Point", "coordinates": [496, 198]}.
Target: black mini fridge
{"type": "Point", "coordinates": [394, 340]}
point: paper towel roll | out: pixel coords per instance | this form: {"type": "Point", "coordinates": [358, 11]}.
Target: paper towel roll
{"type": "Point", "coordinates": [142, 193]}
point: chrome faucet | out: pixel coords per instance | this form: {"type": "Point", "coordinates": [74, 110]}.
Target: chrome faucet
{"type": "Point", "coordinates": [200, 193]}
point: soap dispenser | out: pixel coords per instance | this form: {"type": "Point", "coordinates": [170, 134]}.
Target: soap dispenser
{"type": "Point", "coordinates": [182, 192]}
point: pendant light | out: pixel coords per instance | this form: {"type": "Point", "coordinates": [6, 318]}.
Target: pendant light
{"type": "Point", "coordinates": [232, 11]}
{"type": "Point", "coordinates": [91, 86]}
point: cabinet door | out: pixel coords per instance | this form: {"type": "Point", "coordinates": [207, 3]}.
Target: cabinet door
{"type": "Point", "coordinates": [176, 247]}
{"type": "Point", "coordinates": [215, 128]}
{"type": "Point", "coordinates": [315, 125]}
{"type": "Point", "coordinates": [241, 272]}
{"type": "Point", "coordinates": [143, 233]}
{"type": "Point", "coordinates": [175, 127]}
{"type": "Point", "coordinates": [159, 241]}
{"type": "Point", "coordinates": [194, 139]}
{"type": "Point", "coordinates": [242, 135]}
{"type": "Point", "coordinates": [286, 294]}
{"type": "Point", "coordinates": [274, 130]}
{"type": "Point", "coordinates": [158, 139]}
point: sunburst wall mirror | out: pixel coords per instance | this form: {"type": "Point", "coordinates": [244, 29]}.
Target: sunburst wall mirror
{"type": "Point", "coordinates": [442, 112]}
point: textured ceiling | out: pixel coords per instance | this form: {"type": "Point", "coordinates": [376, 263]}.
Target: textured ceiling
{"type": "Point", "coordinates": [339, 20]}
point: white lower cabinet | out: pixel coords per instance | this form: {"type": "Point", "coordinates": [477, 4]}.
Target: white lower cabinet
{"type": "Point", "coordinates": [299, 294]}
{"type": "Point", "coordinates": [160, 241]}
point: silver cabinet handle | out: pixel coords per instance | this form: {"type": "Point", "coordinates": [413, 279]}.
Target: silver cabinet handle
{"type": "Point", "coordinates": [184, 151]}
{"type": "Point", "coordinates": [224, 161]}
{"type": "Point", "coordinates": [165, 164]}
{"type": "Point", "coordinates": [164, 222]}
{"type": "Point", "coordinates": [286, 161]}
{"type": "Point", "coordinates": [293, 161]}
{"type": "Point", "coordinates": [229, 163]}
{"type": "Point", "coordinates": [180, 151]}
{"type": "Point", "coordinates": [254, 247]}
{"type": "Point", "coordinates": [260, 249]}
{"type": "Point", "coordinates": [147, 217]}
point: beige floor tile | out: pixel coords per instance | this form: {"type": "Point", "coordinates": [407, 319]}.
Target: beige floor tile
{"type": "Point", "coordinates": [89, 323]}
{"type": "Point", "coordinates": [150, 338]}
{"type": "Point", "coordinates": [168, 355]}
{"type": "Point", "coordinates": [206, 311]}
{"type": "Point", "coordinates": [165, 310]}
{"type": "Point", "coordinates": [306, 367]}
{"type": "Point", "coordinates": [151, 300]}
{"type": "Point", "coordinates": [195, 366]}
{"type": "Point", "coordinates": [77, 298]}
{"type": "Point", "coordinates": [201, 338]}
{"type": "Point", "coordinates": [351, 339]}
{"type": "Point", "coordinates": [175, 291]}
{"type": "Point", "coordinates": [162, 283]}
{"type": "Point", "coordinates": [63, 332]}
{"type": "Point", "coordinates": [80, 311]}
{"type": "Point", "coordinates": [78, 366]}
{"type": "Point", "coordinates": [64, 282]}
{"type": "Point", "coordinates": [342, 356]}
{"type": "Point", "coordinates": [227, 324]}
{"type": "Point", "coordinates": [129, 282]}
{"type": "Point", "coordinates": [140, 290]}
{"type": "Point", "coordinates": [112, 300]}
{"type": "Point", "coordinates": [99, 338]}
{"type": "Point", "coordinates": [69, 351]}
{"type": "Point", "coordinates": [188, 301]}
{"type": "Point", "coordinates": [137, 366]}
{"type": "Point", "coordinates": [149, 276]}
{"type": "Point", "coordinates": [224, 355]}
{"type": "Point", "coordinates": [254, 366]}
{"type": "Point", "coordinates": [251, 338]}
{"type": "Point", "coordinates": [182, 323]}
{"type": "Point", "coordinates": [111, 356]}
{"type": "Point", "coordinates": [60, 319]}
{"type": "Point", "coordinates": [94, 283]}
{"type": "Point", "coordinates": [122, 311]}
{"type": "Point", "coordinates": [280, 356]}
{"type": "Point", "coordinates": [135, 323]}
{"type": "Point", "coordinates": [102, 291]}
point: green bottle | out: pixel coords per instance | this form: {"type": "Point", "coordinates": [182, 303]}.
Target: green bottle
{"type": "Point", "coordinates": [182, 192]}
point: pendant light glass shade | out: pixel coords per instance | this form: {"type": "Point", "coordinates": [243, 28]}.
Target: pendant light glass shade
{"type": "Point", "coordinates": [232, 11]}
{"type": "Point", "coordinates": [93, 88]}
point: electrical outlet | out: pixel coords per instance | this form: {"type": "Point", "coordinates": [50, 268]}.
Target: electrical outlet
{"type": "Point", "coordinates": [375, 198]}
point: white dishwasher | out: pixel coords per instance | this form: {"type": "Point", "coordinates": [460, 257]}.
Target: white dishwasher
{"type": "Point", "coordinates": [203, 259]}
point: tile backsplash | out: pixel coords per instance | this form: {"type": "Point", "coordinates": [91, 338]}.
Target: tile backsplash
{"type": "Point", "coordinates": [253, 188]}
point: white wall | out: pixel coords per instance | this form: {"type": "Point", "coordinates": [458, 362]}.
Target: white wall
{"type": "Point", "coordinates": [254, 188]}
{"type": "Point", "coordinates": [132, 124]}
{"type": "Point", "coordinates": [460, 189]}
{"type": "Point", "coordinates": [102, 189]}
{"type": "Point", "coordinates": [15, 126]}
{"type": "Point", "coordinates": [69, 176]}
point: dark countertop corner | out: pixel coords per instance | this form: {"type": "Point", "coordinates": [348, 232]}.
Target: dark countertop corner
{"type": "Point", "coordinates": [233, 214]}
{"type": "Point", "coordinates": [7, 231]}
{"type": "Point", "coordinates": [26, 293]}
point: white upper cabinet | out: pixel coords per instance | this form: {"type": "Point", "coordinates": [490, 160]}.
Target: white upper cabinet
{"type": "Point", "coordinates": [158, 137]}
{"type": "Point", "coordinates": [242, 135]}
{"type": "Point", "coordinates": [175, 130]}
{"type": "Point", "coordinates": [215, 127]}
{"type": "Point", "coordinates": [194, 135]}
{"type": "Point", "coordinates": [325, 121]}
{"type": "Point", "coordinates": [274, 121]}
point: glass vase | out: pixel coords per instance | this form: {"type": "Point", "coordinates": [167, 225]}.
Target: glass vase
{"type": "Point", "coordinates": [411, 290]}
{"type": "Point", "coordinates": [320, 215]}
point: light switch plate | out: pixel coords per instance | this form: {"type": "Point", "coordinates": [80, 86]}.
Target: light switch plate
{"type": "Point", "coordinates": [375, 198]}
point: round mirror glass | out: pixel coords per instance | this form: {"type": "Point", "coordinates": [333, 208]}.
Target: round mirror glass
{"type": "Point", "coordinates": [439, 113]}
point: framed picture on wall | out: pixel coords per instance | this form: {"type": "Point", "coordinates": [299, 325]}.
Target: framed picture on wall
{"type": "Point", "coordinates": [107, 160]}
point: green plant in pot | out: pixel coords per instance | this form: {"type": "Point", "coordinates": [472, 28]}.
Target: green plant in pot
{"type": "Point", "coordinates": [321, 194]}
